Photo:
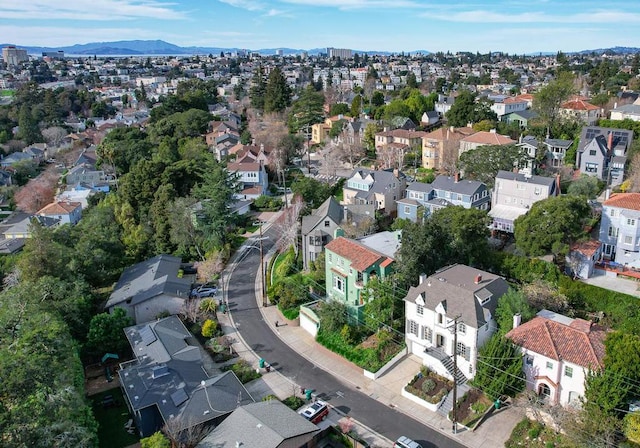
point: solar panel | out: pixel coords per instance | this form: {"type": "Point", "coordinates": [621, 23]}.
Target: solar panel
{"type": "Point", "coordinates": [179, 397]}
{"type": "Point", "coordinates": [147, 335]}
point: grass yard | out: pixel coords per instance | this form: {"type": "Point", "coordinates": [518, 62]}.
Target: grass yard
{"type": "Point", "coordinates": [530, 434]}
{"type": "Point", "coordinates": [111, 420]}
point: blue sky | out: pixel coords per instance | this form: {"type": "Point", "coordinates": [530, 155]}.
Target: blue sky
{"type": "Point", "coordinates": [514, 26]}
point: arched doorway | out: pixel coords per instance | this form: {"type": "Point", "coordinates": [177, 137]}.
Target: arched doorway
{"type": "Point", "coordinates": [544, 391]}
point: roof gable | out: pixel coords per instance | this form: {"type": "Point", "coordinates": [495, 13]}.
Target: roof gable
{"type": "Point", "coordinates": [361, 257]}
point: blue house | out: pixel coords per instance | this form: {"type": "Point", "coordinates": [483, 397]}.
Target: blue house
{"type": "Point", "coordinates": [443, 192]}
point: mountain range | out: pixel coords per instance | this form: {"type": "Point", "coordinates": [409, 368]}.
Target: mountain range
{"type": "Point", "coordinates": [160, 47]}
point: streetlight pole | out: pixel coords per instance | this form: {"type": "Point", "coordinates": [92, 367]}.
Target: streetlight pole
{"type": "Point", "coordinates": [262, 273]}
{"type": "Point", "coordinates": [454, 411]}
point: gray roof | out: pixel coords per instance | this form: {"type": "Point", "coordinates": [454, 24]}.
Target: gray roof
{"type": "Point", "coordinates": [16, 157]}
{"type": "Point", "coordinates": [539, 180]}
{"type": "Point", "coordinates": [382, 179]}
{"type": "Point", "coordinates": [387, 243]}
{"type": "Point", "coordinates": [527, 114]}
{"type": "Point", "coordinates": [558, 143]}
{"type": "Point", "coordinates": [529, 140]}
{"type": "Point", "coordinates": [148, 279]}
{"type": "Point", "coordinates": [420, 186]}
{"type": "Point", "coordinates": [266, 424]}
{"type": "Point", "coordinates": [168, 373]}
{"type": "Point", "coordinates": [633, 109]}
{"type": "Point", "coordinates": [599, 144]}
{"type": "Point", "coordinates": [456, 289]}
{"type": "Point", "coordinates": [448, 183]}
{"type": "Point", "coordinates": [328, 209]}
{"type": "Point", "coordinates": [621, 137]}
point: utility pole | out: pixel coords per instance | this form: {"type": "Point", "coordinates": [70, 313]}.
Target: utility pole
{"type": "Point", "coordinates": [262, 274]}
{"type": "Point", "coordinates": [454, 411]}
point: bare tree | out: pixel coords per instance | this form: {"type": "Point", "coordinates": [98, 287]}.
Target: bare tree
{"type": "Point", "coordinates": [191, 310]}
{"type": "Point", "coordinates": [350, 152]}
{"type": "Point", "coordinates": [330, 163]}
{"type": "Point", "coordinates": [183, 433]}
{"type": "Point", "coordinates": [633, 179]}
{"type": "Point", "coordinates": [542, 295]}
{"type": "Point", "coordinates": [54, 135]}
{"type": "Point", "coordinates": [211, 267]}
{"type": "Point", "coordinates": [287, 225]}
{"type": "Point", "coordinates": [449, 156]}
{"type": "Point", "coordinates": [11, 279]}
{"type": "Point", "coordinates": [37, 192]}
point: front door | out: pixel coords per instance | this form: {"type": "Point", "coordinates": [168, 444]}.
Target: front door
{"type": "Point", "coordinates": [439, 340]}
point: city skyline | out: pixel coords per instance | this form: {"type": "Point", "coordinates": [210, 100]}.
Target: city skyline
{"type": "Point", "coordinates": [513, 26]}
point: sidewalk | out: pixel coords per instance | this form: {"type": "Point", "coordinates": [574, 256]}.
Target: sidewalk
{"type": "Point", "coordinates": [386, 389]}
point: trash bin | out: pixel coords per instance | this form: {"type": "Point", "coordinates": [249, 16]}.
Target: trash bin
{"type": "Point", "coordinates": [497, 404]}
{"type": "Point", "coordinates": [261, 363]}
{"type": "Point", "coordinates": [223, 308]}
{"type": "Point", "coordinates": [307, 394]}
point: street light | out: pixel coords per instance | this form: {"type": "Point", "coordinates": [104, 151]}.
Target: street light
{"type": "Point", "coordinates": [262, 269]}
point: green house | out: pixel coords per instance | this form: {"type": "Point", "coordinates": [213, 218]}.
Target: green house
{"type": "Point", "coordinates": [350, 264]}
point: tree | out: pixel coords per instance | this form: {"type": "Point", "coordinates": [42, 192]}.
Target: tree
{"type": "Point", "coordinates": [469, 231]}
{"type": "Point", "coordinates": [28, 126]}
{"type": "Point", "coordinates": [156, 440]}
{"type": "Point", "coordinates": [499, 368]}
{"type": "Point", "coordinates": [587, 186]}
{"type": "Point", "coordinates": [551, 225]}
{"type": "Point", "coordinates": [306, 110]}
{"type": "Point", "coordinates": [547, 101]}
{"type": "Point", "coordinates": [382, 307]}
{"type": "Point", "coordinates": [411, 81]}
{"type": "Point", "coordinates": [312, 191]}
{"type": "Point", "coordinates": [356, 106]}
{"type": "Point", "coordinates": [333, 316]}
{"type": "Point", "coordinates": [54, 135]}
{"type": "Point", "coordinates": [369, 138]}
{"type": "Point", "coordinates": [106, 332]}
{"type": "Point", "coordinates": [339, 109]}
{"type": "Point", "coordinates": [483, 163]}
{"type": "Point", "coordinates": [42, 255]}
{"type": "Point", "coordinates": [258, 89]}
{"type": "Point", "coordinates": [336, 128]}
{"type": "Point", "coordinates": [277, 95]}
{"type": "Point", "coordinates": [510, 304]}
{"type": "Point", "coordinates": [466, 109]}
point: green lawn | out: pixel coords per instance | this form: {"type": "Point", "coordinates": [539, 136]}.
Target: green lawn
{"type": "Point", "coordinates": [7, 92]}
{"type": "Point", "coordinates": [111, 432]}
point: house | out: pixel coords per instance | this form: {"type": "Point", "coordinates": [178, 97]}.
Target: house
{"type": "Point", "coordinates": [529, 144]}
{"type": "Point", "coordinates": [620, 228]}
{"type": "Point", "coordinates": [440, 147]}
{"type": "Point", "coordinates": [443, 192]}
{"type": "Point", "coordinates": [556, 151]}
{"type": "Point", "coordinates": [85, 173]}
{"type": "Point", "coordinates": [484, 138]}
{"type": "Point", "coordinates": [429, 118]}
{"type": "Point", "coordinates": [580, 110]}
{"type": "Point", "coordinates": [627, 111]}
{"type": "Point", "coordinates": [150, 288]}
{"type": "Point", "coordinates": [166, 381]}
{"type": "Point", "coordinates": [602, 152]}
{"type": "Point", "coordinates": [15, 158]}
{"type": "Point", "coordinates": [350, 264]}
{"type": "Point", "coordinates": [319, 228]}
{"type": "Point", "coordinates": [392, 146]}
{"type": "Point", "coordinates": [18, 225]}
{"type": "Point", "coordinates": [251, 176]}
{"type": "Point", "coordinates": [266, 424]}
{"type": "Point", "coordinates": [582, 258]}
{"type": "Point", "coordinates": [453, 294]}
{"type": "Point", "coordinates": [522, 117]}
{"type": "Point", "coordinates": [379, 187]}
{"type": "Point", "coordinates": [444, 103]}
{"type": "Point", "coordinates": [320, 132]}
{"type": "Point", "coordinates": [65, 212]}
{"type": "Point", "coordinates": [558, 354]}
{"type": "Point", "coordinates": [508, 105]}
{"type": "Point", "coordinates": [515, 193]}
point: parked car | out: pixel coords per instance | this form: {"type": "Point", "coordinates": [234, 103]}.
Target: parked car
{"type": "Point", "coordinates": [406, 442]}
{"type": "Point", "coordinates": [204, 291]}
{"type": "Point", "coordinates": [316, 412]}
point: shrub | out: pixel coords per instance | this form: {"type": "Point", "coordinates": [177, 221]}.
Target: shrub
{"type": "Point", "coordinates": [428, 385]}
{"type": "Point", "coordinates": [535, 432]}
{"type": "Point", "coordinates": [209, 328]}
{"type": "Point", "coordinates": [293, 402]}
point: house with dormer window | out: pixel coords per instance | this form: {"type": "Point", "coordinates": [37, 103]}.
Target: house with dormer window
{"type": "Point", "coordinates": [459, 294]}
{"type": "Point", "coordinates": [620, 228]}
{"type": "Point", "coordinates": [382, 188]}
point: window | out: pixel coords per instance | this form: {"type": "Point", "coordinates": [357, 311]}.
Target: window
{"type": "Point", "coordinates": [419, 309]}
{"type": "Point", "coordinates": [631, 222]}
{"type": "Point", "coordinates": [427, 334]}
{"type": "Point", "coordinates": [407, 209]}
{"type": "Point", "coordinates": [462, 350]}
{"type": "Point", "coordinates": [330, 258]}
{"type": "Point", "coordinates": [412, 327]}
{"type": "Point", "coordinates": [628, 240]}
{"type": "Point", "coordinates": [613, 212]}
{"type": "Point", "coordinates": [462, 328]}
{"type": "Point", "coordinates": [549, 365]}
{"type": "Point", "coordinates": [537, 191]}
{"type": "Point", "coordinates": [613, 231]}
{"type": "Point", "coordinates": [327, 223]}
{"type": "Point", "coordinates": [591, 168]}
{"type": "Point", "coordinates": [592, 152]}
{"type": "Point", "coordinates": [338, 283]}
{"type": "Point", "coordinates": [439, 318]}
{"type": "Point", "coordinates": [528, 360]}
{"type": "Point", "coordinates": [568, 371]}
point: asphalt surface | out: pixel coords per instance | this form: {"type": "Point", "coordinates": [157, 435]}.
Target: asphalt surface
{"type": "Point", "coordinates": [343, 396]}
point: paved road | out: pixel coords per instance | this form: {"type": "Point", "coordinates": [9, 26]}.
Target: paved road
{"type": "Point", "coordinates": [345, 397]}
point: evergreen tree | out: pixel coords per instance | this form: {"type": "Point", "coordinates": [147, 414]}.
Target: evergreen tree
{"type": "Point", "coordinates": [499, 369]}
{"type": "Point", "coordinates": [277, 96]}
{"type": "Point", "coordinates": [258, 89]}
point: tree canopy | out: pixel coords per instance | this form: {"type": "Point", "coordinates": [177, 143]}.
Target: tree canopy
{"type": "Point", "coordinates": [466, 109]}
{"type": "Point", "coordinates": [483, 163]}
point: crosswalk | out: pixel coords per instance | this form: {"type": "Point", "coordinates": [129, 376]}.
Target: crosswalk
{"type": "Point", "coordinates": [331, 180]}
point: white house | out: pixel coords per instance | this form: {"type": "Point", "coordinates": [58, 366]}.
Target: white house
{"type": "Point", "coordinates": [620, 228]}
{"type": "Point", "coordinates": [461, 292]}
{"type": "Point", "coordinates": [558, 354]}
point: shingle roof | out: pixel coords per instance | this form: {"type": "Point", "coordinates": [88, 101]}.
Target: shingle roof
{"type": "Point", "coordinates": [629, 201]}
{"type": "Point", "coordinates": [329, 208]}
{"type": "Point", "coordinates": [580, 342]}
{"type": "Point", "coordinates": [361, 257]}
{"type": "Point", "coordinates": [419, 186]}
{"type": "Point", "coordinates": [540, 180]}
{"type": "Point", "coordinates": [455, 287]}
{"type": "Point", "coordinates": [448, 183]}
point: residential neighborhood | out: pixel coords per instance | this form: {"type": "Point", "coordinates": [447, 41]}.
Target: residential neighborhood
{"type": "Point", "coordinates": [327, 248]}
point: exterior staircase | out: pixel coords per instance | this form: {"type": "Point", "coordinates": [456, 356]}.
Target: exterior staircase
{"type": "Point", "coordinates": [447, 404]}
{"type": "Point", "coordinates": [461, 380]}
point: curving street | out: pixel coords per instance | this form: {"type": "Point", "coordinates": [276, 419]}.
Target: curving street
{"type": "Point", "coordinates": [265, 343]}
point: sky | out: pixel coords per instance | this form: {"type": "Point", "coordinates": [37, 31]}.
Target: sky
{"type": "Point", "coordinates": [513, 26]}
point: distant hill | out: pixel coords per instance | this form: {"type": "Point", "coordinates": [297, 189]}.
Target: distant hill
{"type": "Point", "coordinates": [160, 47]}
{"type": "Point", "coordinates": [613, 50]}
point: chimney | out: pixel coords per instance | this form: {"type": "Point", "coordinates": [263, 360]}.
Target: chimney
{"type": "Point", "coordinates": [456, 177]}
{"type": "Point", "coordinates": [451, 128]}
{"type": "Point", "coordinates": [478, 279]}
{"type": "Point", "coordinates": [493, 131]}
{"type": "Point", "coordinates": [396, 173]}
{"type": "Point", "coordinates": [607, 194]}
{"type": "Point", "coordinates": [610, 141]}
{"type": "Point", "coordinates": [423, 277]}
{"type": "Point", "coordinates": [517, 320]}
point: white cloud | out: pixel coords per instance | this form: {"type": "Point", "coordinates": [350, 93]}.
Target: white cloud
{"type": "Point", "coordinates": [85, 10]}
{"type": "Point", "coordinates": [481, 16]}
{"type": "Point", "coordinates": [358, 4]}
{"type": "Point", "coordinates": [249, 5]}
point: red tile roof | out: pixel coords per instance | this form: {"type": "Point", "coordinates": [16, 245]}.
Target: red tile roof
{"type": "Point", "coordinates": [629, 201]}
{"type": "Point", "coordinates": [59, 208]}
{"type": "Point", "coordinates": [489, 138]}
{"type": "Point", "coordinates": [580, 342]}
{"type": "Point", "coordinates": [444, 133]}
{"type": "Point", "coordinates": [579, 105]}
{"type": "Point", "coordinates": [361, 257]}
{"type": "Point", "coordinates": [587, 248]}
